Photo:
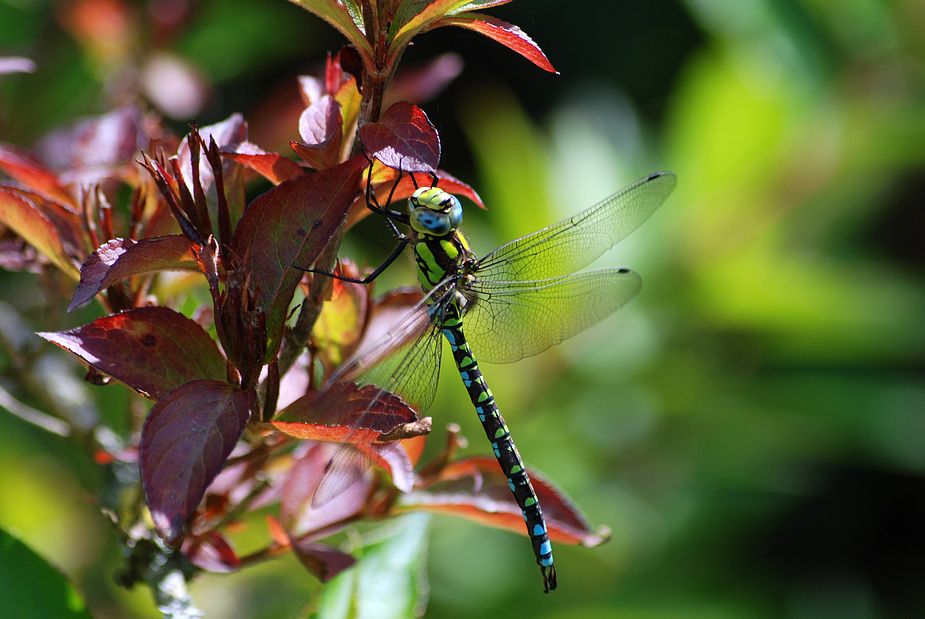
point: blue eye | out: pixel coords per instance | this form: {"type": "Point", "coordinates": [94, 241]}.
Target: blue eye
{"type": "Point", "coordinates": [454, 212]}
{"type": "Point", "coordinates": [434, 211]}
{"type": "Point", "coordinates": [430, 222]}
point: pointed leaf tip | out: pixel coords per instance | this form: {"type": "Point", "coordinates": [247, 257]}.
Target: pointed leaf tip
{"type": "Point", "coordinates": [507, 34]}
{"type": "Point", "coordinates": [118, 259]}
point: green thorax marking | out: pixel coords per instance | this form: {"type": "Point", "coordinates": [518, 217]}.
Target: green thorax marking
{"type": "Point", "coordinates": [440, 250]}
{"type": "Point", "coordinates": [439, 257]}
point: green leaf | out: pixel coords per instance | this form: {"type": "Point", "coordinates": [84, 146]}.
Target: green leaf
{"type": "Point", "coordinates": [30, 588]}
{"type": "Point", "coordinates": [348, 22]}
{"type": "Point", "coordinates": [413, 16]}
{"type": "Point", "coordinates": [389, 582]}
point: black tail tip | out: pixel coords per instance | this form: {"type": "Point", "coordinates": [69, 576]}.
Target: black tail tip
{"type": "Point", "coordinates": [549, 578]}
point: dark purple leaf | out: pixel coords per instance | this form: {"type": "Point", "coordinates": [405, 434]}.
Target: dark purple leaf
{"type": "Point", "coordinates": [423, 83]}
{"type": "Point", "coordinates": [185, 441]}
{"type": "Point", "coordinates": [108, 140]}
{"type": "Point", "coordinates": [290, 225]}
{"type": "Point", "coordinates": [17, 255]}
{"type": "Point", "coordinates": [320, 122]}
{"type": "Point", "coordinates": [15, 64]}
{"type": "Point", "coordinates": [227, 135]}
{"type": "Point", "coordinates": [238, 481]}
{"type": "Point", "coordinates": [320, 127]}
{"type": "Point", "coordinates": [154, 350]}
{"type": "Point", "coordinates": [122, 258]}
{"type": "Point", "coordinates": [404, 139]}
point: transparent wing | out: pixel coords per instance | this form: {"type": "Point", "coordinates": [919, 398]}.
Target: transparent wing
{"type": "Point", "coordinates": [513, 320]}
{"type": "Point", "coordinates": [576, 242]}
{"type": "Point", "coordinates": [405, 362]}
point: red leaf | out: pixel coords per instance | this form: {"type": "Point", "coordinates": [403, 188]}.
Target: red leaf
{"type": "Point", "coordinates": [345, 412]}
{"type": "Point", "coordinates": [153, 350]}
{"type": "Point", "coordinates": [290, 225]}
{"type": "Point", "coordinates": [321, 560]}
{"type": "Point", "coordinates": [272, 166]}
{"type": "Point", "coordinates": [406, 186]}
{"type": "Point", "coordinates": [21, 167]}
{"type": "Point", "coordinates": [404, 139]}
{"type": "Point", "coordinates": [48, 226]}
{"type": "Point", "coordinates": [211, 552]}
{"type": "Point", "coordinates": [459, 188]}
{"type": "Point", "coordinates": [475, 488]}
{"type": "Point", "coordinates": [507, 34]}
{"type": "Point", "coordinates": [122, 258]}
{"type": "Point", "coordinates": [277, 531]}
{"type": "Point", "coordinates": [185, 441]}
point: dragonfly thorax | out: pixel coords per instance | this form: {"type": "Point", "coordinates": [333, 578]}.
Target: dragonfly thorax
{"type": "Point", "coordinates": [434, 211]}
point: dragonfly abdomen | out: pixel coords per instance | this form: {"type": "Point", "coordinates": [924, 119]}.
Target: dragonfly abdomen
{"type": "Point", "coordinates": [502, 444]}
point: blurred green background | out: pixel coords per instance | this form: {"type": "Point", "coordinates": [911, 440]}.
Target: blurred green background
{"type": "Point", "coordinates": [752, 427]}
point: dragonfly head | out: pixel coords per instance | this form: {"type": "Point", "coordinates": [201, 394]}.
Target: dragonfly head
{"type": "Point", "coordinates": [434, 211]}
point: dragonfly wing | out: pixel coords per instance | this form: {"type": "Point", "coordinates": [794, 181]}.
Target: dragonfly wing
{"type": "Point", "coordinates": [576, 242]}
{"type": "Point", "coordinates": [513, 320]}
{"type": "Point", "coordinates": [393, 340]}
{"type": "Point", "coordinates": [411, 372]}
{"type": "Point", "coordinates": [345, 468]}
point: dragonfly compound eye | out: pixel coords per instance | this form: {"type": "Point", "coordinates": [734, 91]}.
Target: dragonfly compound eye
{"type": "Point", "coordinates": [434, 211]}
{"type": "Point", "coordinates": [426, 221]}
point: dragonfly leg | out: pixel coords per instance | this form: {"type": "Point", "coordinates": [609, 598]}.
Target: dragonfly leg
{"type": "Point", "coordinates": [382, 267]}
{"type": "Point", "coordinates": [372, 203]}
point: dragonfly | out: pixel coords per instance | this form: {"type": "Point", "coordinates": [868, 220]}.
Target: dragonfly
{"type": "Point", "coordinates": [514, 302]}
